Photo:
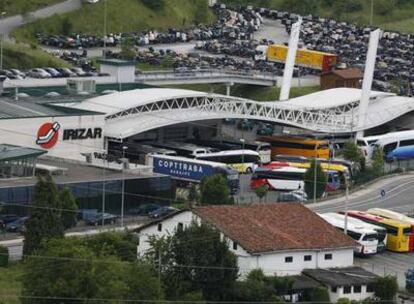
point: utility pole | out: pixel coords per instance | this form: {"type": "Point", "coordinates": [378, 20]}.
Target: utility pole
{"type": "Point", "coordinates": [123, 185]}
{"type": "Point", "coordinates": [104, 30]}
{"type": "Point", "coordinates": [346, 206]}
{"type": "Point", "coordinates": [314, 176]}
{"type": "Point", "coordinates": [1, 44]}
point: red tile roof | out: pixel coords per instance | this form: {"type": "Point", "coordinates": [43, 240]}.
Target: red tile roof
{"type": "Point", "coordinates": [273, 227]}
{"type": "Point", "coordinates": [347, 73]}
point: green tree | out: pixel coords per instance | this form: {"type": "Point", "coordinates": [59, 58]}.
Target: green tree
{"type": "Point", "coordinates": [74, 270]}
{"type": "Point", "coordinates": [321, 179]}
{"type": "Point", "coordinates": [193, 195]}
{"type": "Point", "coordinates": [378, 162]}
{"type": "Point", "coordinates": [214, 191]}
{"type": "Point", "coordinates": [45, 220]}
{"type": "Point", "coordinates": [121, 245]}
{"type": "Point", "coordinates": [353, 153]}
{"type": "Point", "coordinates": [67, 26]}
{"type": "Point", "coordinates": [127, 48]}
{"type": "Point", "coordinates": [69, 208]}
{"type": "Point", "coordinates": [201, 245]}
{"type": "Point", "coordinates": [4, 256]}
{"type": "Point", "coordinates": [202, 11]}
{"type": "Point", "coordinates": [261, 191]}
{"type": "Point", "coordinates": [384, 7]}
{"type": "Point", "coordinates": [319, 295]}
{"type": "Point", "coordinates": [343, 301]}
{"type": "Point", "coordinates": [386, 288]}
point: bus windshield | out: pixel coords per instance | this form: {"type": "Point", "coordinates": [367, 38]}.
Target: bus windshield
{"type": "Point", "coordinates": [370, 237]}
{"type": "Point", "coordinates": [407, 231]}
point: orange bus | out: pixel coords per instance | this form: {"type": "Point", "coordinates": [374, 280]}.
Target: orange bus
{"type": "Point", "coordinates": [298, 146]}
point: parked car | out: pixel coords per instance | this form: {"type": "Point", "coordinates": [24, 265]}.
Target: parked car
{"type": "Point", "coordinates": [293, 196]}
{"type": "Point", "coordinates": [38, 73]}
{"type": "Point", "coordinates": [18, 73]}
{"type": "Point", "coordinates": [107, 218]}
{"type": "Point", "coordinates": [146, 209]}
{"type": "Point", "coordinates": [53, 72]}
{"type": "Point", "coordinates": [66, 72]}
{"type": "Point", "coordinates": [8, 218]}
{"type": "Point", "coordinates": [18, 225]}
{"type": "Point", "coordinates": [162, 211]}
{"type": "Point", "coordinates": [79, 72]}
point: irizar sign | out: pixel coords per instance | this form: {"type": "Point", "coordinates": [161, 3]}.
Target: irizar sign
{"type": "Point", "coordinates": [82, 133]}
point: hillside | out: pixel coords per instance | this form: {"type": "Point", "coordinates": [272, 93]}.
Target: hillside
{"type": "Point", "coordinates": [15, 7]}
{"type": "Point", "coordinates": [122, 16]}
{"type": "Point", "coordinates": [22, 57]}
{"type": "Point", "coordinates": [397, 15]}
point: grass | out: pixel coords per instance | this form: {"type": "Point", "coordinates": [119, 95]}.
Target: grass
{"type": "Point", "coordinates": [253, 92]}
{"type": "Point", "coordinates": [15, 7]}
{"type": "Point", "coordinates": [122, 16]}
{"type": "Point", "coordinates": [20, 56]}
{"type": "Point", "coordinates": [10, 283]}
{"type": "Point", "coordinates": [399, 18]}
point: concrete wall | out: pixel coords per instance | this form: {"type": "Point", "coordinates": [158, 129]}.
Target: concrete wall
{"type": "Point", "coordinates": [334, 296]}
{"type": "Point", "coordinates": [124, 74]}
{"type": "Point", "coordinates": [23, 132]}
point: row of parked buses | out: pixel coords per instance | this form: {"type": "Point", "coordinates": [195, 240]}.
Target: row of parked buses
{"type": "Point", "coordinates": [376, 230]}
{"type": "Point", "coordinates": [394, 145]}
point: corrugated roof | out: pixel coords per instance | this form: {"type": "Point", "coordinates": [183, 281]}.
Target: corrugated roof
{"type": "Point", "coordinates": [11, 152]}
{"type": "Point", "coordinates": [336, 277]}
{"type": "Point", "coordinates": [271, 227]}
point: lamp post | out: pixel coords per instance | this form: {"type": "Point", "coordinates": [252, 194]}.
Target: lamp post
{"type": "Point", "coordinates": [105, 33]}
{"type": "Point", "coordinates": [123, 185]}
{"type": "Point", "coordinates": [1, 43]}
{"type": "Point", "coordinates": [314, 176]}
{"type": "Point", "coordinates": [242, 141]}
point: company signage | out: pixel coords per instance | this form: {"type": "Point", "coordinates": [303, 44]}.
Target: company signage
{"type": "Point", "coordinates": [181, 169]}
{"type": "Point", "coordinates": [48, 134]}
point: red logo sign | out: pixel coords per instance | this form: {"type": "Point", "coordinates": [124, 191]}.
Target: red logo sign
{"type": "Point", "coordinates": [48, 134]}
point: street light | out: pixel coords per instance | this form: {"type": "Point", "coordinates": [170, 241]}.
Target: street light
{"type": "Point", "coordinates": [123, 185]}
{"type": "Point", "coordinates": [1, 43]}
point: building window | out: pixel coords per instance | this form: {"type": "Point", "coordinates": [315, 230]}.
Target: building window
{"type": "Point", "coordinates": [347, 289]}
{"type": "Point", "coordinates": [288, 259]}
{"type": "Point", "coordinates": [328, 256]}
{"type": "Point", "coordinates": [334, 289]}
{"type": "Point", "coordinates": [370, 288]}
{"type": "Point", "coordinates": [159, 227]}
{"type": "Point", "coordinates": [307, 258]}
{"type": "Point", "coordinates": [234, 246]}
{"type": "Point", "coordinates": [180, 227]}
{"type": "Point", "coordinates": [357, 289]}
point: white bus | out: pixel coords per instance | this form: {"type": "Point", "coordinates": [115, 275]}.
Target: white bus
{"type": "Point", "coordinates": [244, 161]}
{"type": "Point", "coordinates": [184, 149]}
{"type": "Point", "coordinates": [391, 141]}
{"type": "Point", "coordinates": [381, 231]}
{"type": "Point", "coordinates": [366, 144]}
{"type": "Point", "coordinates": [285, 178]}
{"type": "Point", "coordinates": [366, 238]}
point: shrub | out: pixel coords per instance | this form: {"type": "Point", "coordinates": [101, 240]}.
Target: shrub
{"type": "Point", "coordinates": [4, 256]}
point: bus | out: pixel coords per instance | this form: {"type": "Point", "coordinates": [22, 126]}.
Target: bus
{"type": "Point", "coordinates": [404, 141]}
{"type": "Point", "coordinates": [137, 153]}
{"type": "Point", "coordinates": [398, 233]}
{"type": "Point", "coordinates": [184, 149]}
{"type": "Point", "coordinates": [366, 144]}
{"type": "Point", "coordinates": [276, 177]}
{"type": "Point", "coordinates": [393, 215]}
{"type": "Point", "coordinates": [297, 146]}
{"type": "Point", "coordinates": [263, 148]}
{"type": "Point", "coordinates": [285, 178]}
{"type": "Point", "coordinates": [366, 238]}
{"type": "Point", "coordinates": [244, 161]}
{"type": "Point", "coordinates": [187, 170]}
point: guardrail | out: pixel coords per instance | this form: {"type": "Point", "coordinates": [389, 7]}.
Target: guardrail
{"type": "Point", "coordinates": [208, 75]}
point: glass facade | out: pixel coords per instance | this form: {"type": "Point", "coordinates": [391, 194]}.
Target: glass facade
{"type": "Point", "coordinates": [89, 195]}
{"type": "Point", "coordinates": [22, 167]}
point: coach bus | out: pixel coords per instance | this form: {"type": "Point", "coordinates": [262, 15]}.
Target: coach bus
{"type": "Point", "coordinates": [263, 148]}
{"type": "Point", "coordinates": [244, 161]}
{"type": "Point", "coordinates": [138, 153]}
{"type": "Point", "coordinates": [287, 178]}
{"type": "Point", "coordinates": [184, 149]}
{"type": "Point", "coordinates": [297, 146]}
{"type": "Point", "coordinates": [365, 237]}
{"type": "Point", "coordinates": [393, 215]}
{"type": "Point", "coordinates": [398, 233]}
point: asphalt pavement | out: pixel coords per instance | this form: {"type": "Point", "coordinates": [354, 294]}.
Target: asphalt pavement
{"type": "Point", "coordinates": [8, 24]}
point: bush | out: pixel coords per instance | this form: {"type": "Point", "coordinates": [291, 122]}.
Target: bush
{"type": "Point", "coordinates": [386, 288]}
{"type": "Point", "coordinates": [4, 256]}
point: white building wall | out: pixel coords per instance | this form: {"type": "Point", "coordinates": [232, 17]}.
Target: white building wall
{"type": "Point", "coordinates": [123, 74]}
{"type": "Point", "coordinates": [275, 263]}
{"type": "Point", "coordinates": [334, 296]}
{"type": "Point", "coordinates": [23, 132]}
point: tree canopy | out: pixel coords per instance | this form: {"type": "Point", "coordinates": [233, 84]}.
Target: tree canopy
{"type": "Point", "coordinates": [321, 180]}
{"type": "Point", "coordinates": [214, 191]}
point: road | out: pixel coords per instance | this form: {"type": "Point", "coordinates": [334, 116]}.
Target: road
{"type": "Point", "coordinates": [8, 24]}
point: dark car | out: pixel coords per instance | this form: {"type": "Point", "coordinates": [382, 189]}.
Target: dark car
{"type": "Point", "coordinates": [146, 209]}
{"type": "Point", "coordinates": [107, 218]}
{"type": "Point", "coordinates": [163, 211]}
{"type": "Point", "coordinates": [17, 225]}
{"type": "Point", "coordinates": [8, 218]}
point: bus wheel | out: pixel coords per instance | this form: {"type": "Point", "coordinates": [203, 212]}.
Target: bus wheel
{"type": "Point", "coordinates": [249, 170]}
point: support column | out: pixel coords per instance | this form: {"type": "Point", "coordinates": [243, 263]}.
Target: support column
{"type": "Point", "coordinates": [368, 77]}
{"type": "Point", "coordinates": [290, 60]}
{"type": "Point", "coordinates": [228, 87]}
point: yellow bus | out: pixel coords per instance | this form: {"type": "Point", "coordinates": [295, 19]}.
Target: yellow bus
{"type": "Point", "coordinates": [298, 146]}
